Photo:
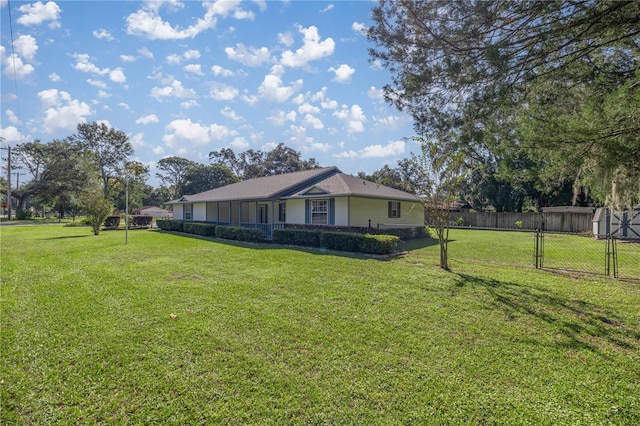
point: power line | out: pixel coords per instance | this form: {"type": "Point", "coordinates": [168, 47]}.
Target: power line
{"type": "Point", "coordinates": [15, 72]}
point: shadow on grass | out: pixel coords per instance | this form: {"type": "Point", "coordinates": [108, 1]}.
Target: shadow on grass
{"type": "Point", "coordinates": [314, 250]}
{"type": "Point", "coordinates": [67, 236]}
{"type": "Point", "coordinates": [583, 325]}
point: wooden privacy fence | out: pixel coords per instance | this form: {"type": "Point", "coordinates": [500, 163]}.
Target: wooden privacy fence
{"type": "Point", "coordinates": [553, 221]}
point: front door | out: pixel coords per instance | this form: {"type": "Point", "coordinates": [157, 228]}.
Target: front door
{"type": "Point", "coordinates": [262, 214]}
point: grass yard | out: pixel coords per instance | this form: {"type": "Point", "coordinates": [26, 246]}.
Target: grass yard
{"type": "Point", "coordinates": [273, 335]}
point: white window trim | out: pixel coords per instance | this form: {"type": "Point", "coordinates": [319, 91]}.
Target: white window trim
{"type": "Point", "coordinates": [324, 212]}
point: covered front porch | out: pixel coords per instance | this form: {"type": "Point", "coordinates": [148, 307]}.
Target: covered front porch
{"type": "Point", "coordinates": [263, 215]}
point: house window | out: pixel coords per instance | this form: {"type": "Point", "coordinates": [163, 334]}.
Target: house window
{"type": "Point", "coordinates": [319, 212]}
{"type": "Point", "coordinates": [187, 211]}
{"type": "Point", "coordinates": [282, 212]}
{"type": "Point", "coordinates": [394, 208]}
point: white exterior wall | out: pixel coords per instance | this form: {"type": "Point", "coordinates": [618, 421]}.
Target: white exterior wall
{"type": "Point", "coordinates": [178, 211]}
{"type": "Point", "coordinates": [199, 212]}
{"type": "Point", "coordinates": [363, 209]}
{"type": "Point", "coordinates": [295, 211]}
{"type": "Point", "coordinates": [342, 211]}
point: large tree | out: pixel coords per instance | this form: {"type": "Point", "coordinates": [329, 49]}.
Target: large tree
{"type": "Point", "coordinates": [200, 178]}
{"type": "Point", "coordinates": [108, 149]}
{"type": "Point", "coordinates": [173, 174]}
{"type": "Point", "coordinates": [252, 164]}
{"type": "Point", "coordinates": [492, 78]}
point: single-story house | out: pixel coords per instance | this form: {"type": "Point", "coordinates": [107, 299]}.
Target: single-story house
{"type": "Point", "coordinates": [323, 197]}
{"type": "Point", "coordinates": [156, 212]}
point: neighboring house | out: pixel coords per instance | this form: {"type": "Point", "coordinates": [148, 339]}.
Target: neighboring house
{"type": "Point", "coordinates": [156, 212]}
{"type": "Point", "coordinates": [323, 197]}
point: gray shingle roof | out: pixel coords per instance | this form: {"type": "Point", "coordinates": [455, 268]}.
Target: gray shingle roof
{"type": "Point", "coordinates": [341, 184]}
{"type": "Point", "coordinates": [295, 185]}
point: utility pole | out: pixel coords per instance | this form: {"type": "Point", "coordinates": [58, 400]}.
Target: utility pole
{"type": "Point", "coordinates": [9, 181]}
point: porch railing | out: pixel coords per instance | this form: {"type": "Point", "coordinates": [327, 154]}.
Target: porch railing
{"type": "Point", "coordinates": [267, 228]}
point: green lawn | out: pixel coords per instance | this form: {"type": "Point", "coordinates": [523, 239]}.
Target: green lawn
{"type": "Point", "coordinates": [273, 335]}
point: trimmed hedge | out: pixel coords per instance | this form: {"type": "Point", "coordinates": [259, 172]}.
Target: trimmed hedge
{"type": "Point", "coordinates": [140, 221]}
{"type": "Point", "coordinates": [297, 237]}
{"type": "Point", "coordinates": [112, 222]}
{"type": "Point", "coordinates": [340, 241]}
{"type": "Point", "coordinates": [239, 234]}
{"type": "Point", "coordinates": [405, 233]}
{"type": "Point", "coordinates": [205, 229]}
{"type": "Point", "coordinates": [170, 224]}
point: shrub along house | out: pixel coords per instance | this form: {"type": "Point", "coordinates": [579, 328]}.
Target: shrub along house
{"type": "Point", "coordinates": [323, 197]}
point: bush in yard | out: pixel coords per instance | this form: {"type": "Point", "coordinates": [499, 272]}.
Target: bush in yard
{"type": "Point", "coordinates": [378, 244]}
{"type": "Point", "coordinates": [24, 214]}
{"type": "Point", "coordinates": [112, 222]}
{"type": "Point", "coordinates": [239, 234]}
{"type": "Point", "coordinates": [140, 221]}
{"type": "Point", "coordinates": [170, 225]}
{"type": "Point", "coordinates": [406, 233]}
{"type": "Point", "coordinates": [341, 241]}
{"type": "Point", "coordinates": [198, 228]}
{"type": "Point", "coordinates": [297, 237]}
{"type": "Point", "coordinates": [98, 208]}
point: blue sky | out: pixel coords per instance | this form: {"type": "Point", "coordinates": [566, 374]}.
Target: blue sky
{"type": "Point", "coordinates": [188, 77]}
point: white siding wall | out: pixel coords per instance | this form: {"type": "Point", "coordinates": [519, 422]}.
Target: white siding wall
{"type": "Point", "coordinates": [342, 211]}
{"type": "Point", "coordinates": [295, 211]}
{"type": "Point", "coordinates": [199, 212]}
{"type": "Point", "coordinates": [178, 210]}
{"type": "Point", "coordinates": [363, 209]}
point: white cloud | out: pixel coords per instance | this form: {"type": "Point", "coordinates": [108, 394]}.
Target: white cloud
{"type": "Point", "coordinates": [280, 118]}
{"type": "Point", "coordinates": [184, 130]}
{"type": "Point", "coordinates": [174, 90]}
{"type": "Point", "coordinates": [124, 106]}
{"type": "Point", "coordinates": [311, 50]}
{"type": "Point", "coordinates": [54, 77]}
{"type": "Point", "coordinates": [102, 34]}
{"type": "Point", "coordinates": [359, 27]}
{"type": "Point", "coordinates": [128, 58]}
{"type": "Point", "coordinates": [26, 47]}
{"type": "Point", "coordinates": [97, 83]}
{"type": "Point", "coordinates": [84, 64]}
{"type": "Point", "coordinates": [37, 13]}
{"type": "Point", "coordinates": [151, 118]}
{"type": "Point", "coordinates": [194, 69]}
{"type": "Point", "coordinates": [353, 117]}
{"type": "Point", "coordinates": [286, 39]}
{"type": "Point", "coordinates": [104, 95]}
{"type": "Point", "coordinates": [13, 65]}
{"type": "Point", "coordinates": [189, 104]}
{"type": "Point", "coordinates": [62, 112]}
{"type": "Point", "coordinates": [12, 135]}
{"type": "Point", "coordinates": [392, 149]}
{"type": "Point", "coordinates": [143, 51]}
{"type": "Point", "coordinates": [191, 54]}
{"type": "Point", "coordinates": [328, 8]}
{"type": "Point", "coordinates": [391, 122]}
{"type": "Point", "coordinates": [239, 143]}
{"type": "Point", "coordinates": [249, 56]}
{"type": "Point", "coordinates": [376, 94]}
{"type": "Point", "coordinates": [137, 141]}
{"type": "Point", "coordinates": [272, 89]}
{"type": "Point", "coordinates": [148, 23]}
{"type": "Point", "coordinates": [313, 121]}
{"type": "Point", "coordinates": [158, 150]}
{"type": "Point", "coordinates": [321, 147]}
{"type": "Point", "coordinates": [222, 92]}
{"type": "Point", "coordinates": [219, 71]}
{"type": "Point", "coordinates": [117, 75]}
{"type": "Point", "coordinates": [230, 114]}
{"type": "Point", "coordinates": [307, 108]}
{"type": "Point", "coordinates": [13, 118]}
{"type": "Point", "coordinates": [376, 64]}
{"type": "Point", "coordinates": [343, 73]}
